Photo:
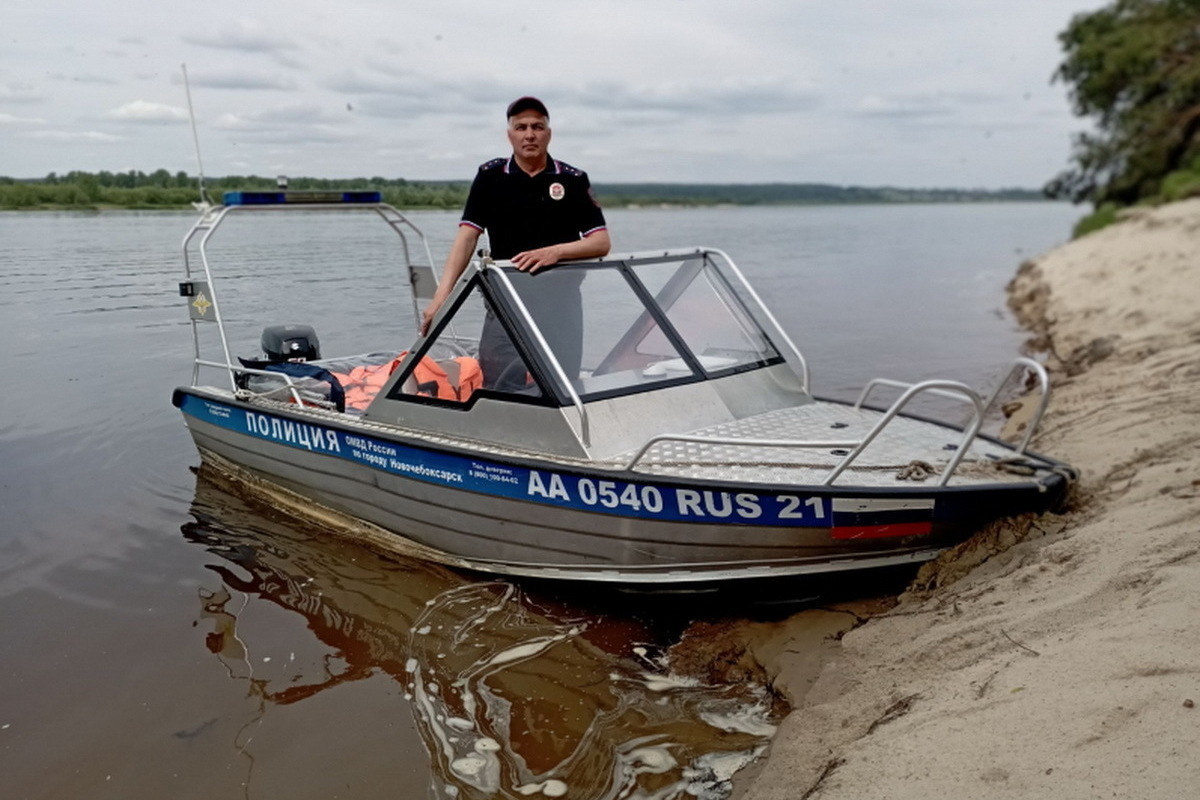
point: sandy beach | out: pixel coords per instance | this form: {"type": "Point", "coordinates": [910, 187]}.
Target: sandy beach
{"type": "Point", "coordinates": [1054, 656]}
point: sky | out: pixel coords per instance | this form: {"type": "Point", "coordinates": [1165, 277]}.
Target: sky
{"type": "Point", "coordinates": [911, 93]}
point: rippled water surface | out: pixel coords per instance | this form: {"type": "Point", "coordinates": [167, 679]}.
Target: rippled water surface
{"type": "Point", "coordinates": [162, 635]}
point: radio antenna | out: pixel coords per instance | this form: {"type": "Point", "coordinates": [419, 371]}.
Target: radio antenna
{"type": "Point", "coordinates": [204, 201]}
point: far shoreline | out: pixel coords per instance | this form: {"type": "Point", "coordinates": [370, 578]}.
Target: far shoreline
{"type": "Point", "coordinates": [632, 206]}
{"type": "Point", "coordinates": [137, 190]}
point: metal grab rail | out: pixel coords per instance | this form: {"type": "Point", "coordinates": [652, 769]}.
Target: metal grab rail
{"type": "Point", "coordinates": [1021, 362]}
{"type": "Point", "coordinates": [950, 389]}
{"type": "Point", "coordinates": [1044, 400]}
{"type": "Point", "coordinates": [290, 384]}
{"type": "Point", "coordinates": [871, 384]}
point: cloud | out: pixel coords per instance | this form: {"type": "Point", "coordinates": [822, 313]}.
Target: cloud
{"type": "Point", "coordinates": [915, 107]}
{"type": "Point", "coordinates": [98, 79]}
{"type": "Point", "coordinates": [248, 36]}
{"type": "Point", "coordinates": [286, 125]}
{"type": "Point", "coordinates": [76, 136]}
{"type": "Point", "coordinates": [143, 111]}
{"type": "Point", "coordinates": [301, 136]}
{"type": "Point", "coordinates": [934, 105]}
{"type": "Point", "coordinates": [355, 82]}
{"type": "Point", "coordinates": [9, 119]}
{"type": "Point", "coordinates": [277, 117]}
{"type": "Point", "coordinates": [19, 93]}
{"type": "Point", "coordinates": [391, 93]}
{"type": "Point", "coordinates": [238, 81]}
{"type": "Point", "coordinates": [732, 96]}
{"type": "Point", "coordinates": [401, 91]}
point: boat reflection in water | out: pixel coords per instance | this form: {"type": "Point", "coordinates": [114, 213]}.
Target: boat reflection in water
{"type": "Point", "coordinates": [513, 696]}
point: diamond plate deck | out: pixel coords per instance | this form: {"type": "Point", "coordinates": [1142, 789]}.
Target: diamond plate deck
{"type": "Point", "coordinates": [903, 442]}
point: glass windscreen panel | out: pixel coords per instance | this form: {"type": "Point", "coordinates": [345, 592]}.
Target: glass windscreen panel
{"type": "Point", "coordinates": [703, 308]}
{"type": "Point", "coordinates": [472, 351]}
{"type": "Point", "coordinates": [607, 341]}
{"type": "Point", "coordinates": [599, 330]}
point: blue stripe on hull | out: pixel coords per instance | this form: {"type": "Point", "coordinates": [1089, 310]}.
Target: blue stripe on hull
{"type": "Point", "coordinates": [552, 487]}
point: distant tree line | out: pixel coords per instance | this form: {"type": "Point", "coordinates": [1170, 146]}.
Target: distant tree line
{"type": "Point", "coordinates": [748, 194]}
{"type": "Point", "coordinates": [162, 189]}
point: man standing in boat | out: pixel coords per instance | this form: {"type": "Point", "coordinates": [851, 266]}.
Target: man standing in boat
{"type": "Point", "coordinates": [537, 212]}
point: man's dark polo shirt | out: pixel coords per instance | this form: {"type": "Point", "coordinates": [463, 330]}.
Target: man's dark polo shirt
{"type": "Point", "coordinates": [520, 212]}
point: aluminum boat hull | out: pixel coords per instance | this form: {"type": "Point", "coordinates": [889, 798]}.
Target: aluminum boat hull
{"type": "Point", "coordinates": [527, 517]}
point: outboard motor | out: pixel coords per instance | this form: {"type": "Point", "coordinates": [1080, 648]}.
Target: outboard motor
{"type": "Point", "coordinates": [290, 343]}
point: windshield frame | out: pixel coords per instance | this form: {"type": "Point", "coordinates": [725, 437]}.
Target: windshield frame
{"type": "Point", "coordinates": [499, 282]}
{"type": "Point", "coordinates": [652, 316]}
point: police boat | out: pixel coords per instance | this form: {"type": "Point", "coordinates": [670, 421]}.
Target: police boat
{"type": "Point", "coordinates": [633, 419]}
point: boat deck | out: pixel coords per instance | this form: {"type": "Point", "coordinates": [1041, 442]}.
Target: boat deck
{"type": "Point", "coordinates": [906, 450]}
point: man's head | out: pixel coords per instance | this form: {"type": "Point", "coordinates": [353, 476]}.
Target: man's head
{"type": "Point", "coordinates": [529, 131]}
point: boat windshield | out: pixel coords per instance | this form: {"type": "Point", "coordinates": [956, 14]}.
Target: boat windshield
{"type": "Point", "coordinates": [632, 324]}
{"type": "Point", "coordinates": [613, 327]}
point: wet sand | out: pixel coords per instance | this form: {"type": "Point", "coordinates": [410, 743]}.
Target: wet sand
{"type": "Point", "coordinates": [1053, 656]}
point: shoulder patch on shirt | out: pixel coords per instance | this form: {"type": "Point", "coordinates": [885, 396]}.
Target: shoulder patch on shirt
{"type": "Point", "coordinates": [564, 167]}
{"type": "Point", "coordinates": [495, 163]}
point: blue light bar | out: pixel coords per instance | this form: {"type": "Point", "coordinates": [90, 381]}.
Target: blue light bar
{"type": "Point", "coordinates": [299, 198]}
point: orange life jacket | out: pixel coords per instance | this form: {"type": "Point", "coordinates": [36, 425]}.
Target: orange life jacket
{"type": "Point", "coordinates": [361, 384]}
{"type": "Point", "coordinates": [452, 379]}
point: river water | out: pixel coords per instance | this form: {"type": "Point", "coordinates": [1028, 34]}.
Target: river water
{"type": "Point", "coordinates": [163, 636]}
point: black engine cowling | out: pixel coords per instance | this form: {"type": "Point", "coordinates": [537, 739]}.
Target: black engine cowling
{"type": "Point", "coordinates": [290, 343]}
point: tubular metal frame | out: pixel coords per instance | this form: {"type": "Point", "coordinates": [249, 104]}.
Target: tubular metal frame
{"type": "Point", "coordinates": [212, 219]}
